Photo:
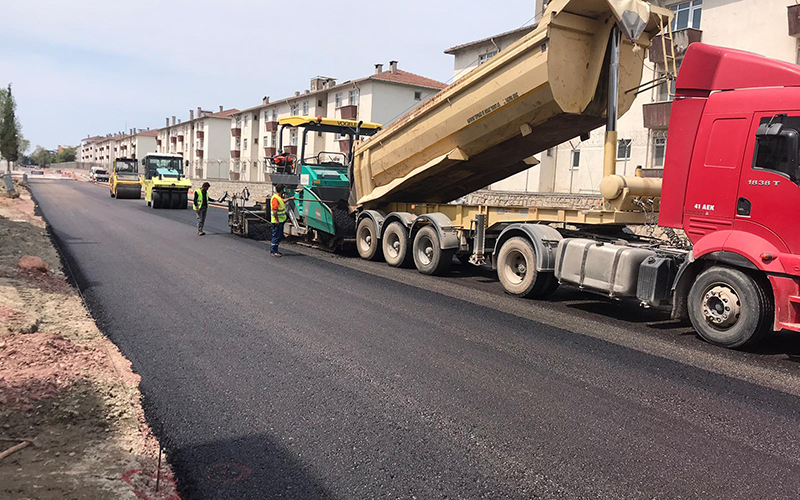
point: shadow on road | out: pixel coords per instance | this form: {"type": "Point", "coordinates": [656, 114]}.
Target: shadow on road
{"type": "Point", "coordinates": [250, 467]}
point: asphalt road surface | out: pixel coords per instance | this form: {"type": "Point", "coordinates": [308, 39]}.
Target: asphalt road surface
{"type": "Point", "coordinates": [325, 376]}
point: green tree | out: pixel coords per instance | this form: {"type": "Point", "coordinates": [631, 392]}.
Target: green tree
{"type": "Point", "coordinates": [42, 157]}
{"type": "Point", "coordinates": [66, 154]}
{"type": "Point", "coordinates": [9, 129]}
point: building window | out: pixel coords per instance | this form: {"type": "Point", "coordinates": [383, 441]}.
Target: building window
{"type": "Point", "coordinates": [245, 120]}
{"type": "Point", "coordinates": [659, 152]}
{"type": "Point", "coordinates": [624, 149]}
{"type": "Point", "coordinates": [576, 159]}
{"type": "Point", "coordinates": [266, 116]}
{"type": "Point", "coordinates": [274, 139]}
{"type": "Point", "coordinates": [245, 144]}
{"type": "Point", "coordinates": [417, 96]}
{"type": "Point", "coordinates": [354, 98]}
{"type": "Point", "coordinates": [293, 137]}
{"type": "Point", "coordinates": [687, 15]}
{"type": "Point", "coordinates": [485, 57]}
{"type": "Point", "coordinates": [238, 143]}
{"type": "Point", "coordinates": [338, 100]}
{"type": "Point", "coordinates": [305, 108]}
{"type": "Point", "coordinates": [238, 121]}
{"type": "Point", "coordinates": [266, 141]}
{"type": "Point", "coordinates": [295, 109]}
{"type": "Point", "coordinates": [275, 115]}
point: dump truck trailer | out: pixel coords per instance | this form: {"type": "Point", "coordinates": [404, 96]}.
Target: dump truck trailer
{"type": "Point", "coordinates": [731, 183]}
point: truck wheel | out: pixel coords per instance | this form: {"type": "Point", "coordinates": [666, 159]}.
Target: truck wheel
{"type": "Point", "coordinates": [157, 199]}
{"type": "Point", "coordinates": [367, 243]}
{"type": "Point", "coordinates": [729, 308]}
{"type": "Point", "coordinates": [428, 254]}
{"type": "Point", "coordinates": [395, 245]}
{"type": "Point", "coordinates": [516, 268]}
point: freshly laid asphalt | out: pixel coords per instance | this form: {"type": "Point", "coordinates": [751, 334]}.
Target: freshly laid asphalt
{"type": "Point", "coordinates": [324, 376]}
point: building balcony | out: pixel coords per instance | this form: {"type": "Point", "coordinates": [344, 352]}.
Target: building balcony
{"type": "Point", "coordinates": [270, 152]}
{"type": "Point", "coordinates": [173, 139]}
{"type": "Point", "coordinates": [290, 150]}
{"type": "Point", "coordinates": [235, 153]}
{"type": "Point", "coordinates": [794, 21]}
{"type": "Point", "coordinates": [271, 126]}
{"type": "Point", "coordinates": [233, 176]}
{"type": "Point", "coordinates": [180, 137]}
{"type": "Point", "coordinates": [158, 142]}
{"type": "Point", "coordinates": [656, 115]}
{"type": "Point", "coordinates": [349, 112]}
{"type": "Point", "coordinates": [198, 153]}
{"type": "Point", "coordinates": [201, 134]}
{"type": "Point", "coordinates": [682, 38]}
{"type": "Point", "coordinates": [236, 132]}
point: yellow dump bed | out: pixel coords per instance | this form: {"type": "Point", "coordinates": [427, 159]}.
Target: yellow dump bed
{"type": "Point", "coordinates": [549, 87]}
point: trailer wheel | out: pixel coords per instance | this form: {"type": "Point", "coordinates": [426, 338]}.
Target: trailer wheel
{"type": "Point", "coordinates": [428, 254]}
{"type": "Point", "coordinates": [395, 245]}
{"type": "Point", "coordinates": [729, 308]}
{"type": "Point", "coordinates": [516, 269]}
{"type": "Point", "coordinates": [367, 243]}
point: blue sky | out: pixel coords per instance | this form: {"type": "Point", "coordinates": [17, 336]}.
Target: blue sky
{"type": "Point", "coordinates": [92, 67]}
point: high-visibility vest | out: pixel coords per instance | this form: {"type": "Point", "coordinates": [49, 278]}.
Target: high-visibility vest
{"type": "Point", "coordinates": [281, 209]}
{"type": "Point", "coordinates": [198, 203]}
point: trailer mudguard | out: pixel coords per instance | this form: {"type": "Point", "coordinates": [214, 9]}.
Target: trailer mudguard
{"type": "Point", "coordinates": [377, 219]}
{"type": "Point", "coordinates": [544, 239]}
{"type": "Point", "coordinates": [448, 234]}
{"type": "Point", "coordinates": [405, 218]}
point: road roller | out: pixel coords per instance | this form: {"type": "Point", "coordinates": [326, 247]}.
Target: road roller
{"type": "Point", "coordinates": [124, 182]}
{"type": "Point", "coordinates": [163, 181]}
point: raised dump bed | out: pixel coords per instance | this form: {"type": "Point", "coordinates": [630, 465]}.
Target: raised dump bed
{"type": "Point", "coordinates": [549, 87]}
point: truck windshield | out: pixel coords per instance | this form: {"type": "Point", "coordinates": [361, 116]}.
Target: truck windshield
{"type": "Point", "coordinates": [176, 164]}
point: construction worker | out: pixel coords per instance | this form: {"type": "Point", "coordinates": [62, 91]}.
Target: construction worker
{"type": "Point", "coordinates": [278, 219]}
{"type": "Point", "coordinates": [201, 200]}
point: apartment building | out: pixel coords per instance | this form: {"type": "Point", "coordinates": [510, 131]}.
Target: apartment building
{"type": "Point", "coordinates": [381, 97]}
{"type": "Point", "coordinates": [136, 143]}
{"type": "Point", "coordinates": [203, 140]}
{"type": "Point", "coordinates": [86, 149]}
{"type": "Point", "coordinates": [768, 27]}
{"type": "Point", "coordinates": [106, 149]}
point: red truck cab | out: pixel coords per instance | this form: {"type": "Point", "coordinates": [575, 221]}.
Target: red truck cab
{"type": "Point", "coordinates": [732, 183]}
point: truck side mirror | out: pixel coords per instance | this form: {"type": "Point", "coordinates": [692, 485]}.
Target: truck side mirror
{"type": "Point", "coordinates": [793, 151]}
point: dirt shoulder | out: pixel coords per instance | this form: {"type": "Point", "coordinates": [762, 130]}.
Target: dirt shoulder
{"type": "Point", "coordinates": [65, 389]}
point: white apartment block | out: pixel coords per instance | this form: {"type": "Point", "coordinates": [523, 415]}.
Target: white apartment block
{"type": "Point", "coordinates": [136, 144]}
{"type": "Point", "coordinates": [758, 26]}
{"type": "Point", "coordinates": [87, 152]}
{"type": "Point", "coordinates": [203, 140]}
{"type": "Point", "coordinates": [105, 149]}
{"type": "Point", "coordinates": [381, 97]}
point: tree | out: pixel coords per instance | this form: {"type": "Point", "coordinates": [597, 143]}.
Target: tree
{"type": "Point", "coordinates": [9, 129]}
{"type": "Point", "coordinates": [42, 157]}
{"type": "Point", "coordinates": [66, 154]}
